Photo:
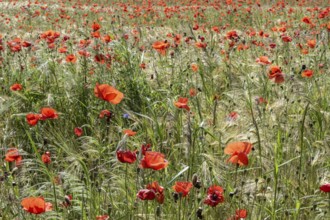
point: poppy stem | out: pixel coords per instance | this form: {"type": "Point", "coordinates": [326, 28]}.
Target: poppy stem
{"type": "Point", "coordinates": [302, 129]}
{"type": "Point", "coordinates": [179, 213]}
{"type": "Point", "coordinates": [55, 197]}
{"type": "Point", "coordinates": [147, 215]}
{"type": "Point", "coordinates": [257, 132]}
{"type": "Point", "coordinates": [329, 203]}
{"type": "Point", "coordinates": [126, 188]}
{"type": "Point", "coordinates": [236, 175]}
{"type": "Point", "coordinates": [215, 113]}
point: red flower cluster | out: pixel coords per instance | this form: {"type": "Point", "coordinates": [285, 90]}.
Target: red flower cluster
{"type": "Point", "coordinates": [152, 191]}
{"type": "Point", "coordinates": [45, 113]}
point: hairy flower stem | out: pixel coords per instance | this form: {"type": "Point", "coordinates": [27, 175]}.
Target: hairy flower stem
{"type": "Point", "coordinates": [302, 129]}
{"type": "Point", "coordinates": [126, 188]}
{"type": "Point", "coordinates": [258, 136]}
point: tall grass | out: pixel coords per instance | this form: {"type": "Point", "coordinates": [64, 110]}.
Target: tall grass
{"type": "Point", "coordinates": [289, 131]}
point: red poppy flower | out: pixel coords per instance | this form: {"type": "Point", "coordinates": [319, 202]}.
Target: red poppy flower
{"type": "Point", "coordinates": [307, 73]}
{"type": "Point", "coordinates": [71, 58]}
{"type": "Point", "coordinates": [161, 46]}
{"type": "Point", "coordinates": [26, 44]}
{"type": "Point", "coordinates": [182, 103]}
{"type": "Point", "coordinates": [307, 20]}
{"type": "Point", "coordinates": [36, 205]}
{"type": "Point", "coordinates": [238, 152]}
{"type": "Point", "coordinates": [106, 38]}
{"type": "Point", "coordinates": [101, 58]}
{"type": "Point", "coordinates": [200, 44]}
{"type": "Point", "coordinates": [32, 119]}
{"type": "Point", "coordinates": [192, 92]}
{"type": "Point", "coordinates": [50, 34]}
{"type": "Point", "coordinates": [311, 43]}
{"type": "Point", "coordinates": [272, 45]}
{"type": "Point", "coordinates": [325, 187]}
{"type": "Point", "coordinates": [182, 188]}
{"type": "Point", "coordinates": [275, 72]}
{"type": "Point", "coordinates": [84, 53]}
{"type": "Point", "coordinates": [108, 93]}
{"type": "Point", "coordinates": [48, 113]}
{"type": "Point", "coordinates": [194, 67]}
{"type": "Point", "coordinates": [274, 69]}
{"type": "Point", "coordinates": [153, 160]}
{"type": "Point", "coordinates": [96, 34]}
{"type": "Point", "coordinates": [62, 50]}
{"type": "Point", "coordinates": [232, 35]}
{"type": "Point", "coordinates": [46, 158]}
{"type": "Point", "coordinates": [67, 201]}
{"type": "Point", "coordinates": [129, 132]}
{"type": "Point", "coordinates": [16, 87]}
{"type": "Point", "coordinates": [78, 131]}
{"type": "Point", "coordinates": [143, 66]}
{"type": "Point", "coordinates": [13, 155]}
{"type": "Point", "coordinates": [261, 100]}
{"type": "Point", "coordinates": [232, 116]}
{"type": "Point", "coordinates": [159, 191]}
{"type": "Point", "coordinates": [145, 148]}
{"type": "Point", "coordinates": [286, 38]}
{"type": "Point", "coordinates": [216, 29]}
{"type": "Point", "coordinates": [105, 113]}
{"type": "Point", "coordinates": [264, 60]}
{"type": "Point", "coordinates": [146, 194]}
{"type": "Point", "coordinates": [214, 196]}
{"type": "Point", "coordinates": [126, 156]}
{"type": "Point", "coordinates": [102, 217]}
{"type": "Point", "coordinates": [195, 27]}
{"type": "Point", "coordinates": [241, 213]}
{"type": "Point", "coordinates": [96, 26]}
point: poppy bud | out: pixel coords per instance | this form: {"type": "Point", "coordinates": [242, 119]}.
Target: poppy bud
{"type": "Point", "coordinates": [175, 196]}
{"type": "Point", "coordinates": [194, 179]}
{"type": "Point", "coordinates": [109, 208]}
{"type": "Point", "coordinates": [158, 211]}
{"type": "Point", "coordinates": [68, 199]}
{"type": "Point", "coordinates": [196, 182]}
{"type": "Point", "coordinates": [199, 213]}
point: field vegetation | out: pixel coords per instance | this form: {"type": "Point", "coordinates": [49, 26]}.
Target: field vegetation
{"type": "Point", "coordinates": [203, 109]}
